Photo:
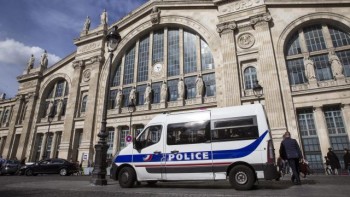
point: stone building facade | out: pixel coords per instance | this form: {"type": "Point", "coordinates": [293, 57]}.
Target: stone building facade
{"type": "Point", "coordinates": [178, 55]}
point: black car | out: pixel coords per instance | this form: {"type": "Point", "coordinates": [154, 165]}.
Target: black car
{"type": "Point", "coordinates": [50, 166]}
{"type": "Point", "coordinates": [10, 167]}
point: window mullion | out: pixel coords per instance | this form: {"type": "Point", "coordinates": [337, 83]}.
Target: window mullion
{"type": "Point", "coordinates": [302, 41]}
{"type": "Point", "coordinates": [199, 58]}
{"type": "Point", "coordinates": [136, 61]}
{"type": "Point", "coordinates": [122, 70]}
{"type": "Point", "coordinates": [150, 56]}
{"type": "Point", "coordinates": [327, 36]}
{"type": "Point", "coordinates": [181, 48]}
{"type": "Point", "coordinates": [165, 48]}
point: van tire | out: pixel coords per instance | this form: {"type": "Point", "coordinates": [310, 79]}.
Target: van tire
{"type": "Point", "coordinates": [127, 177]}
{"type": "Point", "coordinates": [242, 177]}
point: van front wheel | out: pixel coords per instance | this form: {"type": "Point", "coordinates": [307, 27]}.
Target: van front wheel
{"type": "Point", "coordinates": [127, 177]}
{"type": "Point", "coordinates": [242, 178]}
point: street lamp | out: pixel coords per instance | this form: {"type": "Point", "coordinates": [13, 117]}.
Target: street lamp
{"type": "Point", "coordinates": [131, 108]}
{"type": "Point", "coordinates": [258, 90]}
{"type": "Point", "coordinates": [99, 172]}
{"type": "Point", "coordinates": [50, 117]}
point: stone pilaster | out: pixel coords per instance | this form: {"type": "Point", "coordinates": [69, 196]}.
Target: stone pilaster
{"type": "Point", "coordinates": [268, 76]}
{"type": "Point", "coordinates": [72, 105]}
{"type": "Point", "coordinates": [12, 119]}
{"type": "Point", "coordinates": [27, 125]}
{"type": "Point", "coordinates": [230, 88]}
{"type": "Point", "coordinates": [90, 116]}
{"type": "Point", "coordinates": [321, 129]}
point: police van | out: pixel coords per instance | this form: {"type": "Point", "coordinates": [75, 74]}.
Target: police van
{"type": "Point", "coordinates": [231, 143]}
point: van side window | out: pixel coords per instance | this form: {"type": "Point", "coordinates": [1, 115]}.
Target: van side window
{"type": "Point", "coordinates": [188, 133]}
{"type": "Point", "coordinates": [150, 136]}
{"type": "Point", "coordinates": [245, 128]}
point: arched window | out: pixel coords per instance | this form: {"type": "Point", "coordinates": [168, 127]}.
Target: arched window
{"type": "Point", "coordinates": [249, 77]}
{"type": "Point", "coordinates": [83, 104]}
{"type": "Point", "coordinates": [312, 40]}
{"type": "Point", "coordinates": [184, 60]}
{"type": "Point", "coordinates": [58, 93]}
{"type": "Point", "coordinates": [5, 116]}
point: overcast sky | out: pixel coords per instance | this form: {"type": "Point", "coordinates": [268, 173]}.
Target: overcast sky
{"type": "Point", "coordinates": [32, 26]}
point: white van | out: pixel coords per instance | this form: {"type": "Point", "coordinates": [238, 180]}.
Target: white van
{"type": "Point", "coordinates": [231, 143]}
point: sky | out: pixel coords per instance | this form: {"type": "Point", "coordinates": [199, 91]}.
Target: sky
{"type": "Point", "coordinates": [32, 26]}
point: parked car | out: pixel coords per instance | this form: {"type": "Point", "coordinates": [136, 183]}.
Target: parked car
{"type": "Point", "coordinates": [50, 166]}
{"type": "Point", "coordinates": [10, 167]}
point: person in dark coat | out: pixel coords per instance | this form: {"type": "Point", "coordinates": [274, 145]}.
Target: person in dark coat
{"type": "Point", "coordinates": [333, 160]}
{"type": "Point", "coordinates": [290, 150]}
{"type": "Point", "coordinates": [347, 160]}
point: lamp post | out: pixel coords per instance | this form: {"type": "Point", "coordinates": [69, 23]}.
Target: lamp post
{"type": "Point", "coordinates": [99, 171]}
{"type": "Point", "coordinates": [258, 90]}
{"type": "Point", "coordinates": [131, 108]}
{"type": "Point", "coordinates": [50, 117]}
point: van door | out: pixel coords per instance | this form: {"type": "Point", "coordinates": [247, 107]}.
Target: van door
{"type": "Point", "coordinates": [188, 149]}
{"type": "Point", "coordinates": [148, 153]}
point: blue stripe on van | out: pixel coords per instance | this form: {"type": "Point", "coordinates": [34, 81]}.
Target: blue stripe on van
{"type": "Point", "coordinates": [217, 155]}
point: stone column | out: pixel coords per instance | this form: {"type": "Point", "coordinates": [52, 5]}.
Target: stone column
{"type": "Point", "coordinates": [1, 143]}
{"type": "Point", "coordinates": [268, 76]}
{"type": "Point", "coordinates": [322, 131]}
{"type": "Point", "coordinates": [54, 145]}
{"type": "Point", "coordinates": [43, 146]}
{"type": "Point", "coordinates": [72, 105]}
{"type": "Point", "coordinates": [115, 140]}
{"type": "Point", "coordinates": [229, 95]}
{"type": "Point", "coordinates": [27, 125]}
{"type": "Point", "coordinates": [118, 130]}
{"type": "Point", "coordinates": [346, 118]}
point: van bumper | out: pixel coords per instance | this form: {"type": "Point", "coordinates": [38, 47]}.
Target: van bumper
{"type": "Point", "coordinates": [271, 172]}
{"type": "Point", "coordinates": [113, 172]}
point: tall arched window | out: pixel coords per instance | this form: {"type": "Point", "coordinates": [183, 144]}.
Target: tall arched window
{"type": "Point", "coordinates": [318, 41]}
{"type": "Point", "coordinates": [173, 53]}
{"type": "Point", "coordinates": [249, 77]}
{"type": "Point", "coordinates": [83, 104]}
{"type": "Point", "coordinates": [5, 116]}
{"type": "Point", "coordinates": [58, 93]}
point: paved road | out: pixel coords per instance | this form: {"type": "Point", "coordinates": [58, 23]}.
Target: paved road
{"type": "Point", "coordinates": [53, 185]}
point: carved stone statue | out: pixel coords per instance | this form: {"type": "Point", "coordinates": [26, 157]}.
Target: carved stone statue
{"type": "Point", "coordinates": [309, 68]}
{"type": "Point", "coordinates": [132, 96]}
{"type": "Point", "coordinates": [118, 99]}
{"type": "Point", "coordinates": [49, 109]}
{"type": "Point", "coordinates": [148, 94]}
{"type": "Point", "coordinates": [181, 89]}
{"type": "Point", "coordinates": [30, 63]}
{"type": "Point", "coordinates": [164, 92]}
{"type": "Point", "coordinates": [336, 66]}
{"type": "Point", "coordinates": [59, 107]}
{"type": "Point", "coordinates": [87, 24]}
{"type": "Point", "coordinates": [44, 60]}
{"type": "Point", "coordinates": [104, 17]}
{"type": "Point", "coordinates": [199, 85]}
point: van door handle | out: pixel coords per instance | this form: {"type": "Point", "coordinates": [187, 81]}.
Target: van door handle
{"type": "Point", "coordinates": [157, 152]}
{"type": "Point", "coordinates": [174, 152]}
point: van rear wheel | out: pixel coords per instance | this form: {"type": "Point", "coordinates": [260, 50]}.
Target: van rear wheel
{"type": "Point", "coordinates": [242, 178]}
{"type": "Point", "coordinates": [127, 177]}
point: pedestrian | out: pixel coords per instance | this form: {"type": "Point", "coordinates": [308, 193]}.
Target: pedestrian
{"type": "Point", "coordinates": [328, 166]}
{"type": "Point", "coordinates": [347, 160]}
{"type": "Point", "coordinates": [333, 161]}
{"type": "Point", "coordinates": [290, 150]}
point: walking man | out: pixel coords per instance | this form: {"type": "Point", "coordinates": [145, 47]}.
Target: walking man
{"type": "Point", "coordinates": [290, 151]}
{"type": "Point", "coordinates": [347, 160]}
{"type": "Point", "coordinates": [334, 161]}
